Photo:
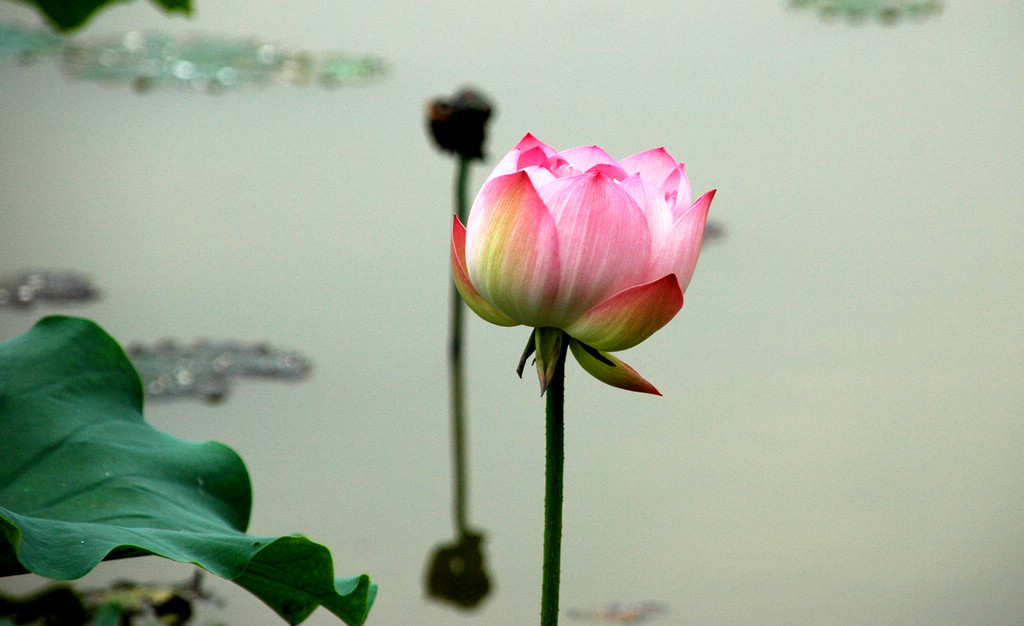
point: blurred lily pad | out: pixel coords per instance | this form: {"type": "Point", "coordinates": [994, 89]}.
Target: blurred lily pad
{"type": "Point", "coordinates": [84, 479]}
{"type": "Point", "coordinates": [71, 14]}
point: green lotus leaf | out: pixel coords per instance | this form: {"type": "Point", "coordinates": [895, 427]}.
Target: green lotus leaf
{"type": "Point", "coordinates": [84, 479]}
{"type": "Point", "coordinates": [71, 14]}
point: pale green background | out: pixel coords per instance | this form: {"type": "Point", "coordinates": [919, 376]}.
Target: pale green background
{"type": "Point", "coordinates": [841, 437]}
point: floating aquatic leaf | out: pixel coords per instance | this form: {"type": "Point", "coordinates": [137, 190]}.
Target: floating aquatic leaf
{"type": "Point", "coordinates": [24, 45]}
{"type": "Point", "coordinates": [24, 289]}
{"type": "Point", "coordinates": [617, 613]}
{"type": "Point", "coordinates": [210, 63]}
{"type": "Point", "coordinates": [339, 69]}
{"type": "Point", "coordinates": [83, 479]}
{"type": "Point", "coordinates": [205, 63]}
{"type": "Point", "coordinates": [887, 11]}
{"type": "Point", "coordinates": [206, 370]}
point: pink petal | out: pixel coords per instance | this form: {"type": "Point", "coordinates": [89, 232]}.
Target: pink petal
{"type": "Point", "coordinates": [681, 247]}
{"type": "Point", "coordinates": [532, 157]}
{"type": "Point", "coordinates": [512, 250]}
{"type": "Point", "coordinates": [630, 316]}
{"type": "Point", "coordinates": [676, 191]}
{"type": "Point", "coordinates": [561, 168]}
{"type": "Point", "coordinates": [610, 170]}
{"type": "Point", "coordinates": [603, 240]}
{"type": "Point", "coordinates": [646, 195]}
{"type": "Point", "coordinates": [469, 294]}
{"type": "Point", "coordinates": [507, 165]}
{"type": "Point", "coordinates": [530, 145]}
{"type": "Point", "coordinates": [609, 369]}
{"type": "Point", "coordinates": [659, 169]}
{"type": "Point", "coordinates": [653, 165]}
{"type": "Point", "coordinates": [529, 141]}
{"type": "Point", "coordinates": [539, 176]}
{"type": "Point", "coordinates": [511, 161]}
{"type": "Point", "coordinates": [585, 157]}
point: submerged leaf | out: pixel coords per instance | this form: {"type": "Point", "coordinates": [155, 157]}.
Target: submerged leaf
{"type": "Point", "coordinates": [83, 478]}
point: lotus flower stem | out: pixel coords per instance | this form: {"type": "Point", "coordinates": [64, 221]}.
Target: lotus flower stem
{"type": "Point", "coordinates": [456, 387]}
{"type": "Point", "coordinates": [554, 466]}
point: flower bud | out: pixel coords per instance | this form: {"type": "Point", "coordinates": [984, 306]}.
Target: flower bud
{"type": "Point", "coordinates": [579, 242]}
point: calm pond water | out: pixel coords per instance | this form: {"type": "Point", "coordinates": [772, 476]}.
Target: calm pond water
{"type": "Point", "coordinates": [842, 429]}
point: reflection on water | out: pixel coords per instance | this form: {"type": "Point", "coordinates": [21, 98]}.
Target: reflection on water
{"type": "Point", "coordinates": [23, 289]}
{"type": "Point", "coordinates": [455, 570]}
{"type": "Point", "coordinates": [154, 603]}
{"type": "Point", "coordinates": [206, 370]}
{"type": "Point", "coordinates": [457, 573]}
{"type": "Point", "coordinates": [122, 602]}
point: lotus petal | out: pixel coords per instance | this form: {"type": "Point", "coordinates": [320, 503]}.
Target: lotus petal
{"type": "Point", "coordinates": [630, 316]}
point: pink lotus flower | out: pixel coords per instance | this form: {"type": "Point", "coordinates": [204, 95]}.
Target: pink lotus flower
{"type": "Point", "coordinates": [576, 241]}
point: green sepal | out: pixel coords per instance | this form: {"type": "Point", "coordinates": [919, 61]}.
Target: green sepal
{"type": "Point", "coordinates": [531, 346]}
{"type": "Point", "coordinates": [548, 347]}
{"type": "Point", "coordinates": [608, 369]}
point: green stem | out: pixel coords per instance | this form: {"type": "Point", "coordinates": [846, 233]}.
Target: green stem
{"type": "Point", "coordinates": [461, 184]}
{"type": "Point", "coordinates": [554, 466]}
{"type": "Point", "coordinates": [455, 369]}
